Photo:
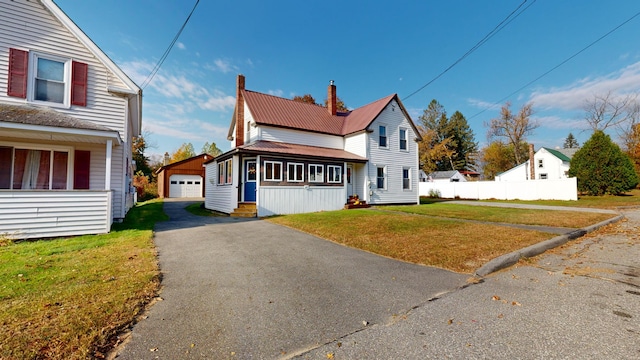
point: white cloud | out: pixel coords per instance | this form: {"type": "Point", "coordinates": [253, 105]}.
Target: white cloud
{"type": "Point", "coordinates": [180, 45]}
{"type": "Point", "coordinates": [218, 102]}
{"type": "Point", "coordinates": [573, 96]}
{"type": "Point", "coordinates": [481, 104]}
{"type": "Point", "coordinates": [277, 93]}
{"type": "Point", "coordinates": [221, 65]}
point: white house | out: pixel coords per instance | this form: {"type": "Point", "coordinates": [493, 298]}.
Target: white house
{"type": "Point", "coordinates": [548, 164]}
{"type": "Point", "coordinates": [446, 176]}
{"type": "Point", "coordinates": [292, 157]}
{"type": "Point", "coordinates": [67, 118]}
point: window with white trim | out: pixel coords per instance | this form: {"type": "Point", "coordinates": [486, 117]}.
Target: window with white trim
{"type": "Point", "coordinates": [334, 173]}
{"type": "Point", "coordinates": [221, 174]}
{"type": "Point", "coordinates": [23, 168]}
{"type": "Point", "coordinates": [406, 178]}
{"type": "Point", "coordinates": [381, 177]}
{"type": "Point", "coordinates": [229, 170]}
{"type": "Point", "coordinates": [382, 136]}
{"type": "Point", "coordinates": [543, 177]}
{"type": "Point", "coordinates": [47, 78]}
{"type": "Point", "coordinates": [316, 173]}
{"type": "Point", "coordinates": [272, 171]}
{"type": "Point", "coordinates": [540, 163]}
{"type": "Point", "coordinates": [403, 139]}
{"type": "Point", "coordinates": [295, 172]}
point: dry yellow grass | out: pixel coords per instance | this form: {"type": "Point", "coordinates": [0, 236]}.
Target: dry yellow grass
{"type": "Point", "coordinates": [556, 218]}
{"type": "Point", "coordinates": [448, 244]}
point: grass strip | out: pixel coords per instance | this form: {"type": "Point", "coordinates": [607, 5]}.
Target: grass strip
{"type": "Point", "coordinates": [448, 244]}
{"type": "Point", "coordinates": [556, 218]}
{"type": "Point", "coordinates": [67, 298]}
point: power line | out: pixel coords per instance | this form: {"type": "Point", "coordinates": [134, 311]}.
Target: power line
{"type": "Point", "coordinates": [166, 52]}
{"type": "Point", "coordinates": [557, 66]}
{"type": "Point", "coordinates": [486, 38]}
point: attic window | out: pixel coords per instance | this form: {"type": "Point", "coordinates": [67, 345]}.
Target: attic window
{"type": "Point", "coordinates": [540, 163]}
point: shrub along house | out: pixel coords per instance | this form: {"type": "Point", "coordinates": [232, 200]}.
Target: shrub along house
{"type": "Point", "coordinates": [67, 117]}
{"type": "Point", "coordinates": [292, 157]}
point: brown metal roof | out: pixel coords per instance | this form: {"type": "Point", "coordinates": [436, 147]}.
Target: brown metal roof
{"type": "Point", "coordinates": [281, 112]}
{"type": "Point", "coordinates": [360, 118]}
{"type": "Point", "coordinates": [270, 147]}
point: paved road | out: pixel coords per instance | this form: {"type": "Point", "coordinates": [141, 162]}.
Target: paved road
{"type": "Point", "coordinates": [251, 289]}
{"type": "Point", "coordinates": [579, 302]}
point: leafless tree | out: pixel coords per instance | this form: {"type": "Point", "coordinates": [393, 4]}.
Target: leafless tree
{"type": "Point", "coordinates": [513, 127]}
{"type": "Point", "coordinates": [607, 110]}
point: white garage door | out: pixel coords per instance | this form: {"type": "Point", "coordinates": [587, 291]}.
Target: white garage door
{"type": "Point", "coordinates": [185, 186]}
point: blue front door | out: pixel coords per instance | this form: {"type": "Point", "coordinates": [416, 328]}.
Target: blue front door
{"type": "Point", "coordinates": [250, 176]}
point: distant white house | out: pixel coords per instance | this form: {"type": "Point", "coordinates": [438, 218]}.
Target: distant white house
{"type": "Point", "coordinates": [549, 164]}
{"type": "Point", "coordinates": [444, 176]}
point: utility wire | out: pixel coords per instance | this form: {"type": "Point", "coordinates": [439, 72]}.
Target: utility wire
{"type": "Point", "coordinates": [557, 66]}
{"type": "Point", "coordinates": [486, 38]}
{"type": "Point", "coordinates": [166, 52]}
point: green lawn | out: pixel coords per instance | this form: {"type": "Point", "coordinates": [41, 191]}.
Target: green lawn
{"type": "Point", "coordinates": [66, 298]}
{"type": "Point", "coordinates": [631, 198]}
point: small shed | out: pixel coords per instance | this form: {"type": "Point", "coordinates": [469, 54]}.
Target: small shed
{"type": "Point", "coordinates": [183, 179]}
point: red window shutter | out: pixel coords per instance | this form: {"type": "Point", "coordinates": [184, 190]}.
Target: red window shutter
{"type": "Point", "coordinates": [79, 83]}
{"type": "Point", "coordinates": [18, 69]}
{"type": "Point", "coordinates": [81, 165]}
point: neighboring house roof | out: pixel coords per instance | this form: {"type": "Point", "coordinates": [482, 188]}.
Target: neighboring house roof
{"type": "Point", "coordinates": [276, 111]}
{"type": "Point", "coordinates": [558, 154]}
{"type": "Point", "coordinates": [270, 147]}
{"type": "Point", "coordinates": [132, 91]}
{"type": "Point", "coordinates": [206, 157]}
{"type": "Point", "coordinates": [14, 116]}
{"type": "Point", "coordinates": [443, 174]}
{"type": "Point", "coordinates": [568, 152]}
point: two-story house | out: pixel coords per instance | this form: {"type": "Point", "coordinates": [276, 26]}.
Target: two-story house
{"type": "Point", "coordinates": [67, 118]}
{"type": "Point", "coordinates": [291, 157]}
{"type": "Point", "coordinates": [548, 164]}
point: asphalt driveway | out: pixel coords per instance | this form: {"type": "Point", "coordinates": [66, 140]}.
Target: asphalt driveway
{"type": "Point", "coordinates": [250, 289]}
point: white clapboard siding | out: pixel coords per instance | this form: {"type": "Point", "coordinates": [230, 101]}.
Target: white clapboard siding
{"type": "Point", "coordinates": [356, 144]}
{"type": "Point", "coordinates": [274, 200]}
{"type": "Point", "coordinates": [218, 197]}
{"type": "Point", "coordinates": [37, 214]}
{"type": "Point", "coordinates": [393, 159]}
{"type": "Point", "coordinates": [270, 133]}
{"type": "Point", "coordinates": [28, 25]}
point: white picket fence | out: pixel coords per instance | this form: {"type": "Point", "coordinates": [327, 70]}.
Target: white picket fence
{"type": "Point", "coordinates": [564, 189]}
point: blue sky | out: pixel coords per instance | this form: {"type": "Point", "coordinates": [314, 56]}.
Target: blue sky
{"type": "Point", "coordinates": [371, 49]}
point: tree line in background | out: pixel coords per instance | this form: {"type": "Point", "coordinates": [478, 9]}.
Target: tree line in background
{"type": "Point", "coordinates": [448, 143]}
{"type": "Point", "coordinates": [600, 166]}
{"type": "Point", "coordinates": [145, 179]}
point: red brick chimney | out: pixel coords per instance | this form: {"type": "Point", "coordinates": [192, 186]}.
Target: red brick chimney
{"type": "Point", "coordinates": [532, 165]}
{"type": "Point", "coordinates": [332, 99]}
{"type": "Point", "coordinates": [239, 111]}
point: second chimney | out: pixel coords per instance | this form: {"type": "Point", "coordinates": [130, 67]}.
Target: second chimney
{"type": "Point", "coordinates": [332, 105]}
{"type": "Point", "coordinates": [532, 165]}
{"type": "Point", "coordinates": [239, 111]}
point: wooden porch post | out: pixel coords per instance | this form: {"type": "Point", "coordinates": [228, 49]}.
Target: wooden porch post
{"type": "Point", "coordinates": [107, 180]}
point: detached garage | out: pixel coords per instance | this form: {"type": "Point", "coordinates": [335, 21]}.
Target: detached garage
{"type": "Point", "coordinates": [183, 179]}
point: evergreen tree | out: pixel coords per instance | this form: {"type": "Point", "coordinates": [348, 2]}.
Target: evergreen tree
{"type": "Point", "coordinates": [451, 144]}
{"type": "Point", "coordinates": [570, 142]}
{"type": "Point", "coordinates": [602, 168]}
{"type": "Point", "coordinates": [138, 147]}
